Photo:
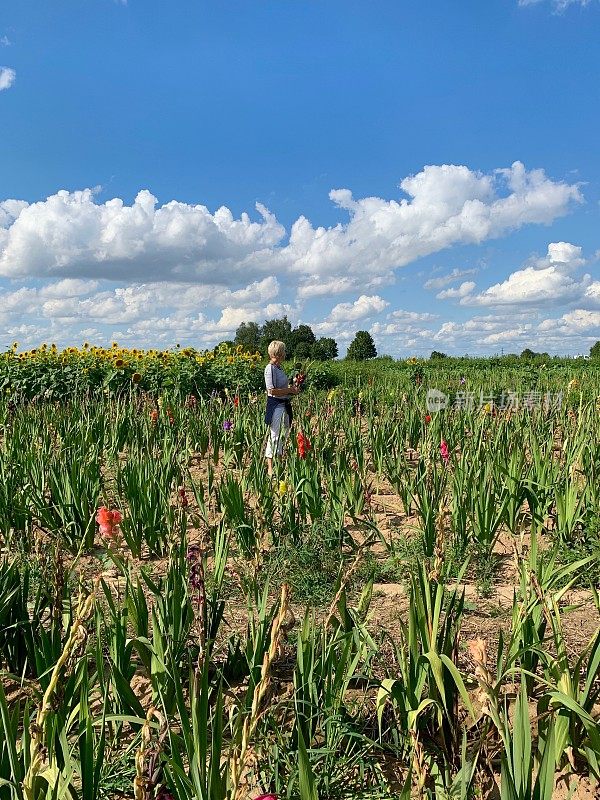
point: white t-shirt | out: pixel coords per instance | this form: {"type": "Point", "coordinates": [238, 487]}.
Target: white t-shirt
{"type": "Point", "coordinates": [275, 378]}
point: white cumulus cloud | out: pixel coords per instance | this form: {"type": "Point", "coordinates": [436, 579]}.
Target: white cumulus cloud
{"type": "Point", "coordinates": [574, 322]}
{"type": "Point", "coordinates": [70, 234]}
{"type": "Point", "coordinates": [341, 319]}
{"type": "Point", "coordinates": [365, 306]}
{"type": "Point", "coordinates": [546, 280]}
{"type": "Point", "coordinates": [446, 280]}
{"type": "Point", "coordinates": [464, 290]}
{"type": "Point", "coordinates": [7, 77]}
{"type": "Point", "coordinates": [558, 5]}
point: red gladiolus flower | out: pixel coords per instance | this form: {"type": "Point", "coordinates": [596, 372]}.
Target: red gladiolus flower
{"type": "Point", "coordinates": [154, 416]}
{"type": "Point", "coordinates": [266, 797]}
{"type": "Point", "coordinates": [427, 419]}
{"type": "Point", "coordinates": [184, 502]}
{"type": "Point", "coordinates": [170, 416]}
{"type": "Point", "coordinates": [236, 401]}
{"type": "Point", "coordinates": [304, 444]}
{"type": "Point", "coordinates": [108, 521]}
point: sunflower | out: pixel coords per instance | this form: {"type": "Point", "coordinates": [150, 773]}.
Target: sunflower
{"type": "Point", "coordinates": [136, 377]}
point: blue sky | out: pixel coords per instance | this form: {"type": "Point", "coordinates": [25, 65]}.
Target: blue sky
{"type": "Point", "coordinates": [459, 141]}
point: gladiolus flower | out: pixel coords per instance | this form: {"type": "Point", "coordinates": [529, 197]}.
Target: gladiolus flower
{"type": "Point", "coordinates": [227, 425]}
{"type": "Point", "coordinates": [304, 444]}
{"type": "Point", "coordinates": [266, 797]}
{"type": "Point", "coordinates": [444, 452]}
{"type": "Point", "coordinates": [427, 419]}
{"type": "Point", "coordinates": [154, 416]}
{"type": "Point", "coordinates": [108, 521]}
{"type": "Point", "coordinates": [236, 401]}
{"type": "Point", "coordinates": [282, 488]}
{"type": "Point", "coordinates": [182, 496]}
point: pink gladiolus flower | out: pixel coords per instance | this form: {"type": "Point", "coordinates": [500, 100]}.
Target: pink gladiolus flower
{"type": "Point", "coordinates": [444, 452]}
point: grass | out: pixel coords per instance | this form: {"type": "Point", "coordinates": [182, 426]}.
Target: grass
{"type": "Point", "coordinates": [310, 564]}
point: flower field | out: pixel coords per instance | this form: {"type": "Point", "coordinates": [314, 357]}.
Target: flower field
{"type": "Point", "coordinates": [409, 608]}
{"type": "Point", "coordinates": [51, 374]}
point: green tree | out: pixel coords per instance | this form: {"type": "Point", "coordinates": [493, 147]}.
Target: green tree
{"type": "Point", "coordinates": [435, 354]}
{"type": "Point", "coordinates": [249, 336]}
{"type": "Point", "coordinates": [302, 350]}
{"type": "Point", "coordinates": [324, 349]}
{"type": "Point", "coordinates": [302, 335]}
{"type": "Point", "coordinates": [278, 330]}
{"type": "Point", "coordinates": [595, 350]}
{"type": "Point", "coordinates": [528, 353]}
{"type": "Point", "coordinates": [362, 347]}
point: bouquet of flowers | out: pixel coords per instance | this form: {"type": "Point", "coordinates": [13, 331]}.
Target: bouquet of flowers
{"type": "Point", "coordinates": [299, 375]}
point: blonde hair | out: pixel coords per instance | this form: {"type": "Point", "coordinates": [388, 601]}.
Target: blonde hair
{"type": "Point", "coordinates": [276, 350]}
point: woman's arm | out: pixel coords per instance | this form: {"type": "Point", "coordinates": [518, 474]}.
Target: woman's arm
{"type": "Point", "coordinates": [272, 390]}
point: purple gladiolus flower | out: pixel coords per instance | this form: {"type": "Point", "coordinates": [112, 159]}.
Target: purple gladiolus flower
{"type": "Point", "coordinates": [227, 425]}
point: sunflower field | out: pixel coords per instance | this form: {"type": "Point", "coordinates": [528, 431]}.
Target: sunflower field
{"type": "Point", "coordinates": [51, 374]}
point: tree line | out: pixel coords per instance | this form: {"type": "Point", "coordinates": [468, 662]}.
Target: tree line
{"type": "Point", "coordinates": [301, 342]}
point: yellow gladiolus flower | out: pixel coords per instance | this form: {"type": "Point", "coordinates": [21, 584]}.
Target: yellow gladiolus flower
{"type": "Point", "coordinates": [282, 488]}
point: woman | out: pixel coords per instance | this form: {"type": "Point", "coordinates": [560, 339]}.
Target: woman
{"type": "Point", "coordinates": [278, 415]}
